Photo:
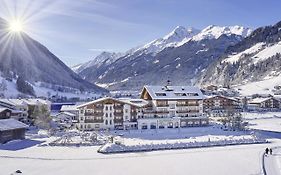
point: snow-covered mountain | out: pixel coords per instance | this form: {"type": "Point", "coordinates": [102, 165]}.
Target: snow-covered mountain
{"type": "Point", "coordinates": [180, 55]}
{"type": "Point", "coordinates": [255, 59]}
{"type": "Point", "coordinates": [172, 39]}
{"type": "Point", "coordinates": [21, 56]}
{"type": "Point", "coordinates": [104, 58]}
{"type": "Point", "coordinates": [179, 34]}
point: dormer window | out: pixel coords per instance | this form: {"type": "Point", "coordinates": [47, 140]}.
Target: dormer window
{"type": "Point", "coordinates": [160, 94]}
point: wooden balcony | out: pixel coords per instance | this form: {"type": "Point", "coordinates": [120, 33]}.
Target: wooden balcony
{"type": "Point", "coordinates": [89, 113]}
{"type": "Point", "coordinates": [187, 111]}
{"type": "Point", "coordinates": [93, 121]}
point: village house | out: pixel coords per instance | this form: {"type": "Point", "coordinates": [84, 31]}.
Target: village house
{"type": "Point", "coordinates": [269, 103]}
{"type": "Point", "coordinates": [219, 106]}
{"type": "Point", "coordinates": [11, 129]}
{"type": "Point", "coordinates": [5, 113]}
{"type": "Point", "coordinates": [22, 109]}
{"type": "Point", "coordinates": [18, 107]}
{"type": "Point", "coordinates": [172, 107]}
{"type": "Point", "coordinates": [110, 113]}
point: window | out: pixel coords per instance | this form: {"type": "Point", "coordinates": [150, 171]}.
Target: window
{"type": "Point", "coordinates": [106, 115]}
{"type": "Point", "coordinates": [160, 94]}
{"type": "Point", "coordinates": [126, 110]}
{"type": "Point", "coordinates": [106, 122]}
{"type": "Point", "coordinates": [110, 122]}
{"type": "Point", "coordinates": [110, 115]}
{"type": "Point", "coordinates": [106, 108]}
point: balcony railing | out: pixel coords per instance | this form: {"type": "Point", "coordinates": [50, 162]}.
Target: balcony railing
{"type": "Point", "coordinates": [93, 121]}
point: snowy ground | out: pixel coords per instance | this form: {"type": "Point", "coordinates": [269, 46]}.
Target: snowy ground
{"type": "Point", "coordinates": [243, 159]}
{"type": "Point", "coordinates": [269, 121]}
{"type": "Point", "coordinates": [33, 159]}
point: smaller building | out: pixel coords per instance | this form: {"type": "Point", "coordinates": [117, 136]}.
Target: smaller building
{"type": "Point", "coordinates": [5, 113]}
{"type": "Point", "coordinates": [11, 129]}
{"type": "Point", "coordinates": [269, 103]}
{"type": "Point", "coordinates": [65, 119]}
{"type": "Point", "coordinates": [70, 109]}
{"type": "Point", "coordinates": [219, 106]}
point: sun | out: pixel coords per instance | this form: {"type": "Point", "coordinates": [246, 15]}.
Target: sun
{"type": "Point", "coordinates": [16, 26]}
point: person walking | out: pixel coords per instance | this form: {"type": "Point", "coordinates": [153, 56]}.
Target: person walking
{"type": "Point", "coordinates": [266, 151]}
{"type": "Point", "coordinates": [270, 151]}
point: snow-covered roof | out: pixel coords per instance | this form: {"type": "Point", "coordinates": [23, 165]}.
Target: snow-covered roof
{"type": "Point", "coordinates": [66, 113]}
{"type": "Point", "coordinates": [134, 103]}
{"type": "Point", "coordinates": [69, 108]}
{"type": "Point", "coordinates": [222, 96]}
{"type": "Point", "coordinates": [12, 102]}
{"type": "Point", "coordinates": [9, 124]}
{"type": "Point", "coordinates": [174, 92]}
{"type": "Point", "coordinates": [3, 109]}
{"type": "Point", "coordinates": [259, 100]}
{"type": "Point", "coordinates": [20, 102]}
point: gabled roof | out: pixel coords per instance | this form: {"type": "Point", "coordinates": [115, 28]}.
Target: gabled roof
{"type": "Point", "coordinates": [174, 92]}
{"type": "Point", "coordinates": [69, 108]}
{"type": "Point", "coordinates": [66, 113]}
{"type": "Point", "coordinates": [260, 100]}
{"type": "Point", "coordinates": [229, 98]}
{"type": "Point", "coordinates": [20, 102]}
{"type": "Point", "coordinates": [4, 109]}
{"type": "Point", "coordinates": [109, 98]}
{"type": "Point", "coordinates": [9, 124]}
{"type": "Point", "coordinates": [135, 102]}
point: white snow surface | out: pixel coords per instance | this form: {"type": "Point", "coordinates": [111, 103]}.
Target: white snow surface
{"type": "Point", "coordinates": [237, 57]}
{"type": "Point", "coordinates": [214, 32]}
{"type": "Point", "coordinates": [260, 87]}
{"type": "Point", "coordinates": [269, 121]}
{"type": "Point", "coordinates": [49, 160]}
{"type": "Point", "coordinates": [267, 52]}
{"type": "Point", "coordinates": [12, 92]}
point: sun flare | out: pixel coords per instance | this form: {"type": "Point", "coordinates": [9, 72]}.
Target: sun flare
{"type": "Point", "coordinates": [16, 26]}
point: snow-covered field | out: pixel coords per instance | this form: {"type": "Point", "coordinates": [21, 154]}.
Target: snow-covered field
{"type": "Point", "coordinates": [243, 159]}
{"type": "Point", "coordinates": [33, 159]}
{"type": "Point", "coordinates": [269, 121]}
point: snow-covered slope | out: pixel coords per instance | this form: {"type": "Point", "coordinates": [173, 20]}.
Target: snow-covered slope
{"type": "Point", "coordinates": [252, 64]}
{"type": "Point", "coordinates": [104, 58]}
{"type": "Point", "coordinates": [21, 56]}
{"type": "Point", "coordinates": [8, 89]}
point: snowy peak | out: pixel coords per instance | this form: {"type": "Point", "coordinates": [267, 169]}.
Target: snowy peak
{"type": "Point", "coordinates": [214, 32]}
{"type": "Point", "coordinates": [179, 34]}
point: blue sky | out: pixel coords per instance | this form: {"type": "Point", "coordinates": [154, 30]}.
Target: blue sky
{"type": "Point", "coordinates": [77, 30]}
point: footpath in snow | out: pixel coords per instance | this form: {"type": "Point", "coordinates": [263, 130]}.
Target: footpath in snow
{"type": "Point", "coordinates": [272, 163]}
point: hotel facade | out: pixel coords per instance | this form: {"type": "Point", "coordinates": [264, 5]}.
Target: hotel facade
{"type": "Point", "coordinates": [158, 107]}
